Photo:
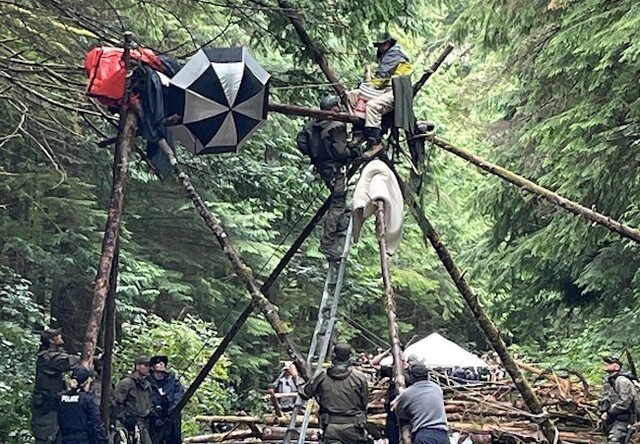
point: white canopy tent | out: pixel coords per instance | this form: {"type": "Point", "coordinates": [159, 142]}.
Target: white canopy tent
{"type": "Point", "coordinates": [437, 351]}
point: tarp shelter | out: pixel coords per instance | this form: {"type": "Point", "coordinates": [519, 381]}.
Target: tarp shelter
{"type": "Point", "coordinates": [437, 351]}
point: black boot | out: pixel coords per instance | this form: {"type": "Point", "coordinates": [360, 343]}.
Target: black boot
{"type": "Point", "coordinates": [375, 143]}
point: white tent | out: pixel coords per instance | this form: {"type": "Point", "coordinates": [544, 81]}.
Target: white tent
{"type": "Point", "coordinates": [437, 351]}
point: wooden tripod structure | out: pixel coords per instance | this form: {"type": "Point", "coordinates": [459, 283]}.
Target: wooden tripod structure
{"type": "Point", "coordinates": [259, 294]}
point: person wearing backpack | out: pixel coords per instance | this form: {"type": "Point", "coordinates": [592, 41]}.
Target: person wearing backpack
{"type": "Point", "coordinates": [617, 404]}
{"type": "Point", "coordinates": [325, 142]}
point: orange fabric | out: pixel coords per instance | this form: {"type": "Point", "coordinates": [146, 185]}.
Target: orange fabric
{"type": "Point", "coordinates": [105, 70]}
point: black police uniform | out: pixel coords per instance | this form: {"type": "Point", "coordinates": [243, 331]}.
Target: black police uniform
{"type": "Point", "coordinates": [79, 419]}
{"type": "Point", "coordinates": [165, 394]}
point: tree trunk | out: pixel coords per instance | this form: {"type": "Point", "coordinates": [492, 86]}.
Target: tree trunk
{"type": "Point", "coordinates": [112, 231]}
{"type": "Point", "coordinates": [390, 306]}
{"type": "Point", "coordinates": [124, 146]}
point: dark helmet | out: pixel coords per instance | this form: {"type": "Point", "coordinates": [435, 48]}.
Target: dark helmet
{"type": "Point", "coordinates": [49, 334]}
{"type": "Point", "coordinates": [342, 352]}
{"type": "Point", "coordinates": [81, 374]}
{"type": "Point", "coordinates": [418, 370]}
{"type": "Point", "coordinates": [384, 37]}
{"type": "Point", "coordinates": [329, 102]}
{"type": "Point", "coordinates": [612, 360]}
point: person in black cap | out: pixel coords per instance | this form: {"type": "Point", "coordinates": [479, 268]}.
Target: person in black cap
{"type": "Point", "coordinates": [51, 364]}
{"type": "Point", "coordinates": [392, 61]}
{"type": "Point", "coordinates": [422, 405]}
{"type": "Point", "coordinates": [617, 403]}
{"type": "Point", "coordinates": [78, 414]}
{"type": "Point", "coordinates": [166, 392]}
{"type": "Point", "coordinates": [132, 401]}
{"type": "Point", "coordinates": [343, 395]}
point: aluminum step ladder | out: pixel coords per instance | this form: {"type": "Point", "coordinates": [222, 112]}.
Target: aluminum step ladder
{"type": "Point", "coordinates": [327, 316]}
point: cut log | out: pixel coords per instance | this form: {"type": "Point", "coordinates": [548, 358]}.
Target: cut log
{"type": "Point", "coordinates": [432, 237]}
{"type": "Point", "coordinates": [390, 308]}
{"type": "Point", "coordinates": [531, 187]}
{"type": "Point", "coordinates": [527, 185]}
{"type": "Point", "coordinates": [243, 272]}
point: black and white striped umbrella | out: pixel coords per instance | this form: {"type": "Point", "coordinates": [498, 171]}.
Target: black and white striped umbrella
{"type": "Point", "coordinates": [222, 96]}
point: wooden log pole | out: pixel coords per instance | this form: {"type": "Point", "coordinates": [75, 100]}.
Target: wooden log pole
{"type": "Point", "coordinates": [126, 135]}
{"type": "Point", "coordinates": [390, 300]}
{"type": "Point", "coordinates": [243, 272]}
{"type": "Point", "coordinates": [248, 310]}
{"type": "Point", "coordinates": [531, 187]}
{"type": "Point", "coordinates": [390, 307]}
{"type": "Point", "coordinates": [511, 177]}
{"type": "Point", "coordinates": [246, 313]}
{"type": "Point", "coordinates": [432, 69]}
{"type": "Point", "coordinates": [314, 49]}
{"type": "Point", "coordinates": [109, 341]}
{"type": "Point", "coordinates": [431, 236]}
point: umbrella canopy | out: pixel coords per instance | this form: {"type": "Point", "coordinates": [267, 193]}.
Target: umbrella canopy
{"type": "Point", "coordinates": [437, 351]}
{"type": "Point", "coordinates": [222, 95]}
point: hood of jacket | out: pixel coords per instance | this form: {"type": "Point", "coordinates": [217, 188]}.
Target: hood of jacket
{"type": "Point", "coordinates": [339, 371]}
{"type": "Point", "coordinates": [396, 52]}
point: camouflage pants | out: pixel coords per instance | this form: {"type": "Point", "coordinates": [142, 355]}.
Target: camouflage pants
{"type": "Point", "coordinates": [44, 418]}
{"type": "Point", "coordinates": [344, 434]}
{"type": "Point", "coordinates": [336, 220]}
{"type": "Point", "coordinates": [617, 432]}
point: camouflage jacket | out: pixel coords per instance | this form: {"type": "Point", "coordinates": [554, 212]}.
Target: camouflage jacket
{"type": "Point", "coordinates": [132, 398]}
{"type": "Point", "coordinates": [618, 397]}
{"type": "Point", "coordinates": [51, 364]}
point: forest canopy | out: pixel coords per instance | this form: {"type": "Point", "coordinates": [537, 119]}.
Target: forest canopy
{"type": "Point", "coordinates": [547, 89]}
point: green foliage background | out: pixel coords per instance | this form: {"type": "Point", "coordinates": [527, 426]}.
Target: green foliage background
{"type": "Point", "coordinates": [547, 89]}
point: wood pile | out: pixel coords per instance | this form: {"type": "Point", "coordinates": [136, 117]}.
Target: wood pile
{"type": "Point", "coordinates": [485, 412]}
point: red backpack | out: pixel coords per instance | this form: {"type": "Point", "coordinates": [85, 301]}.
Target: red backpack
{"type": "Point", "coordinates": [105, 70]}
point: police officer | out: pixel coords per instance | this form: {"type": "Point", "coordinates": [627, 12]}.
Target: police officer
{"type": "Point", "coordinates": [422, 406]}
{"type": "Point", "coordinates": [617, 404]}
{"type": "Point", "coordinates": [325, 142]}
{"type": "Point", "coordinates": [132, 402]}
{"type": "Point", "coordinates": [52, 362]}
{"type": "Point", "coordinates": [78, 414]}
{"type": "Point", "coordinates": [342, 394]}
{"type": "Point", "coordinates": [166, 392]}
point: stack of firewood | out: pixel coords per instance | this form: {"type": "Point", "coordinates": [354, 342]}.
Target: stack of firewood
{"type": "Point", "coordinates": [485, 412]}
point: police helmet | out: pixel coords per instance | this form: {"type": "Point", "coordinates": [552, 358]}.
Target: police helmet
{"type": "Point", "coordinates": [81, 374]}
{"type": "Point", "coordinates": [612, 360]}
{"type": "Point", "coordinates": [329, 102]}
